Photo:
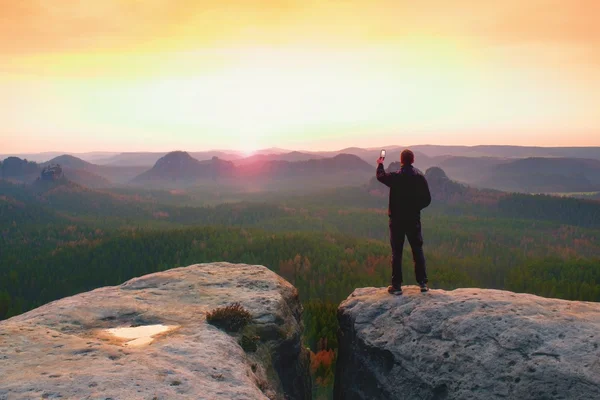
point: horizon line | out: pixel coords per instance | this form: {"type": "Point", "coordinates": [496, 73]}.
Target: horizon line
{"type": "Point", "coordinates": [274, 148]}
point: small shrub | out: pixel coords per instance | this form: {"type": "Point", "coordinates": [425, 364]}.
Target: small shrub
{"type": "Point", "coordinates": [231, 318]}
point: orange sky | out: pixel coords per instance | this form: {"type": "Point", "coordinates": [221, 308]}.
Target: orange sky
{"type": "Point", "coordinates": [82, 75]}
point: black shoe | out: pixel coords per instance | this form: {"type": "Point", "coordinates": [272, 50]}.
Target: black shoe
{"type": "Point", "coordinates": [396, 290]}
{"type": "Point", "coordinates": [424, 287]}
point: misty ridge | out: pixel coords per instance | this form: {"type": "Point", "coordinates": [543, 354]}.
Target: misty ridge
{"type": "Point", "coordinates": [566, 170]}
{"type": "Point", "coordinates": [181, 189]}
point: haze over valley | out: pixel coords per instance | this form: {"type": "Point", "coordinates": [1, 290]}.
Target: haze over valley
{"type": "Point", "coordinates": [565, 171]}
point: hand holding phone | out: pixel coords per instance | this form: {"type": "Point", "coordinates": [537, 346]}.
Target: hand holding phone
{"type": "Point", "coordinates": [381, 157]}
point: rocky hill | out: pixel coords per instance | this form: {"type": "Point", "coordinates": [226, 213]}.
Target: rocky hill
{"type": "Point", "coordinates": [466, 344]}
{"type": "Point", "coordinates": [69, 161]}
{"type": "Point", "coordinates": [311, 169]}
{"type": "Point", "coordinates": [174, 165]}
{"type": "Point", "coordinates": [16, 169]}
{"type": "Point", "coordinates": [180, 166]}
{"type": "Point", "coordinates": [74, 348]}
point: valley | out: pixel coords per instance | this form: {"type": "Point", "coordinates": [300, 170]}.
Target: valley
{"type": "Point", "coordinates": [319, 223]}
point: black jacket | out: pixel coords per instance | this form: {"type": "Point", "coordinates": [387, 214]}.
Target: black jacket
{"type": "Point", "coordinates": [409, 192]}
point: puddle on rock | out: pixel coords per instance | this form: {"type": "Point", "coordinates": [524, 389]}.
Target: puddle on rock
{"type": "Point", "coordinates": [140, 335]}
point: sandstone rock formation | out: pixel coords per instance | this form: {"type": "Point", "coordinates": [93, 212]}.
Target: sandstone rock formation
{"type": "Point", "coordinates": [52, 172]}
{"type": "Point", "coordinates": [66, 350]}
{"type": "Point", "coordinates": [466, 344]}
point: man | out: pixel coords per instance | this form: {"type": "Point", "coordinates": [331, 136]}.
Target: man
{"type": "Point", "coordinates": [409, 194]}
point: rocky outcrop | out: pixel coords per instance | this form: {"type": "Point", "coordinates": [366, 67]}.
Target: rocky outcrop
{"type": "Point", "coordinates": [181, 167]}
{"type": "Point", "coordinates": [52, 173]}
{"type": "Point", "coordinates": [70, 349]}
{"type": "Point", "coordinates": [444, 189]}
{"type": "Point", "coordinates": [466, 344]}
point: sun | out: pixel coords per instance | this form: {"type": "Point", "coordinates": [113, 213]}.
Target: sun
{"type": "Point", "coordinates": [249, 153]}
{"type": "Point", "coordinates": [248, 144]}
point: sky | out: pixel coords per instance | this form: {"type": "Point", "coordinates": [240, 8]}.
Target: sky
{"type": "Point", "coordinates": [156, 75]}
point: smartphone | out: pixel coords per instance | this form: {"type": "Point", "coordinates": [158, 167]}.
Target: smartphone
{"type": "Point", "coordinates": [382, 155]}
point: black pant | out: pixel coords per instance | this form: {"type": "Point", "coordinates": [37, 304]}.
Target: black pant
{"type": "Point", "coordinates": [412, 230]}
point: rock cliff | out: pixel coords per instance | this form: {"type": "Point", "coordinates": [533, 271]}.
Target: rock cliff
{"type": "Point", "coordinates": [466, 344]}
{"type": "Point", "coordinates": [73, 348]}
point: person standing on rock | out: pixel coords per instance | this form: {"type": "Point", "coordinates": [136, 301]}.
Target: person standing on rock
{"type": "Point", "coordinates": [409, 194]}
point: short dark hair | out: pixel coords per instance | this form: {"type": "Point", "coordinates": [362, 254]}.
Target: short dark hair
{"type": "Point", "coordinates": [407, 157]}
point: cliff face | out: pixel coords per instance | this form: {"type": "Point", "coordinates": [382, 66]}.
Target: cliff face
{"type": "Point", "coordinates": [466, 344]}
{"type": "Point", "coordinates": [66, 349]}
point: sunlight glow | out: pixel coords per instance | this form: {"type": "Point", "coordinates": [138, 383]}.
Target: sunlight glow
{"type": "Point", "coordinates": [327, 74]}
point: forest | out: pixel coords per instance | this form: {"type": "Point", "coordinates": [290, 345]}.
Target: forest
{"type": "Point", "coordinates": [59, 241]}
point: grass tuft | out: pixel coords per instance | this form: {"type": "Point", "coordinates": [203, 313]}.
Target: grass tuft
{"type": "Point", "coordinates": [231, 318]}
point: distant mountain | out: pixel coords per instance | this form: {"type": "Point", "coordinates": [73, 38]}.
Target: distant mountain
{"type": "Point", "coordinates": [177, 165]}
{"type": "Point", "coordinates": [69, 161]}
{"type": "Point", "coordinates": [74, 169]}
{"type": "Point", "coordinates": [222, 155]}
{"type": "Point", "coordinates": [37, 157]}
{"type": "Point", "coordinates": [45, 156]}
{"type": "Point", "coordinates": [16, 169]}
{"type": "Point", "coordinates": [148, 159]}
{"type": "Point", "coordinates": [443, 188]}
{"type": "Point", "coordinates": [293, 156]}
{"type": "Point", "coordinates": [132, 159]}
{"type": "Point", "coordinates": [314, 168]}
{"type": "Point", "coordinates": [80, 171]}
{"type": "Point", "coordinates": [427, 150]}
{"type": "Point", "coordinates": [509, 151]}
{"type": "Point", "coordinates": [371, 155]}
{"type": "Point", "coordinates": [469, 169]}
{"type": "Point", "coordinates": [272, 150]}
{"type": "Point", "coordinates": [93, 175]}
{"type": "Point", "coordinates": [529, 175]}
{"type": "Point", "coordinates": [94, 156]}
{"type": "Point", "coordinates": [345, 162]}
{"type": "Point", "coordinates": [180, 166]}
{"type": "Point", "coordinates": [544, 175]}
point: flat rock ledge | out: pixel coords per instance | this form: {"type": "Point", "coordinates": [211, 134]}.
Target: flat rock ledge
{"type": "Point", "coordinates": [62, 349]}
{"type": "Point", "coordinates": [466, 344]}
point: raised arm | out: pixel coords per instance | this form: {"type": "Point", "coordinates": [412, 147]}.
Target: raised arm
{"type": "Point", "coordinates": [382, 176]}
